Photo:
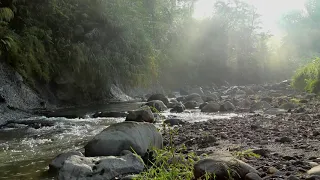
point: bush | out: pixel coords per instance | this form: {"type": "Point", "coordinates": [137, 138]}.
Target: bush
{"type": "Point", "coordinates": [307, 78]}
{"type": "Point", "coordinates": [170, 163]}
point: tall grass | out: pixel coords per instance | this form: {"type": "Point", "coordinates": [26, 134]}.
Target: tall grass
{"type": "Point", "coordinates": [170, 163]}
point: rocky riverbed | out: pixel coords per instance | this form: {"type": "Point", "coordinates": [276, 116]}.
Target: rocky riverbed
{"type": "Point", "coordinates": [285, 134]}
{"type": "Point", "coordinates": [272, 130]}
{"type": "Point", "coordinates": [288, 144]}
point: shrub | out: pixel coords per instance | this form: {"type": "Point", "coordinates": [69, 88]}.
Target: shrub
{"type": "Point", "coordinates": [170, 163]}
{"type": "Point", "coordinates": [307, 78]}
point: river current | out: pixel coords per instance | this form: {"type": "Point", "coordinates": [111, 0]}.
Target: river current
{"type": "Point", "coordinates": [25, 152]}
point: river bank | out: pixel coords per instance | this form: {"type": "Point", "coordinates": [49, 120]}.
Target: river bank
{"type": "Point", "coordinates": [272, 121]}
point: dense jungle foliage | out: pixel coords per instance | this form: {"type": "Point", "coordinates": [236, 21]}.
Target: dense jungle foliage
{"type": "Point", "coordinates": [81, 47]}
{"type": "Point", "coordinates": [303, 41]}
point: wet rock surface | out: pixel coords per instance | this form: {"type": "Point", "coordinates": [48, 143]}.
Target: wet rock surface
{"type": "Point", "coordinates": [58, 162]}
{"type": "Point", "coordinates": [223, 166]}
{"type": "Point", "coordinates": [179, 108]}
{"type": "Point", "coordinates": [143, 114]}
{"type": "Point", "coordinates": [16, 98]}
{"type": "Point", "coordinates": [159, 97]}
{"type": "Point", "coordinates": [85, 168]}
{"type": "Point", "coordinates": [156, 106]}
{"type": "Point", "coordinates": [128, 136]}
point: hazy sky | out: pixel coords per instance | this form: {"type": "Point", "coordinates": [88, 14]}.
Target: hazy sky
{"type": "Point", "coordinates": [271, 10]}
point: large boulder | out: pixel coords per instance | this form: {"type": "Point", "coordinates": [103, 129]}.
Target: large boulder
{"type": "Point", "coordinates": [160, 97]}
{"type": "Point", "coordinates": [211, 97]}
{"type": "Point", "coordinates": [173, 103]}
{"type": "Point", "coordinates": [211, 107]}
{"type": "Point", "coordinates": [191, 105]}
{"type": "Point", "coordinates": [107, 168]}
{"type": "Point", "coordinates": [116, 94]}
{"type": "Point", "coordinates": [245, 103]}
{"type": "Point", "coordinates": [131, 136]}
{"type": "Point", "coordinates": [144, 114]}
{"type": "Point", "coordinates": [288, 106]}
{"type": "Point", "coordinates": [253, 176]}
{"type": "Point", "coordinates": [261, 105]}
{"type": "Point", "coordinates": [194, 97]}
{"type": "Point", "coordinates": [57, 163]}
{"type": "Point", "coordinates": [314, 171]}
{"type": "Point", "coordinates": [203, 105]}
{"type": "Point", "coordinates": [181, 99]}
{"type": "Point", "coordinates": [227, 106]}
{"type": "Point", "coordinates": [156, 106]}
{"type": "Point", "coordinates": [178, 108]}
{"type": "Point", "coordinates": [223, 167]}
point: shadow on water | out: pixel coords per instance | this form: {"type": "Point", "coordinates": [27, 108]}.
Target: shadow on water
{"type": "Point", "coordinates": [86, 111]}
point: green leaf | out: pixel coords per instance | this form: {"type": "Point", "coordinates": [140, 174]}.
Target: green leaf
{"type": "Point", "coordinates": [6, 14]}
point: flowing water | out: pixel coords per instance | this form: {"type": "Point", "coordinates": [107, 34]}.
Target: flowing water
{"type": "Point", "coordinates": [26, 152]}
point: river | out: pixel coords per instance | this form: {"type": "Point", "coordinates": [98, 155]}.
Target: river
{"type": "Point", "coordinates": [26, 152]}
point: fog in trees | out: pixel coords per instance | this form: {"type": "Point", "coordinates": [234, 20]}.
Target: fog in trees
{"type": "Point", "coordinates": [140, 43]}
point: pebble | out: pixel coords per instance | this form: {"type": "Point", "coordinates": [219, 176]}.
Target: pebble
{"type": "Point", "coordinates": [293, 178]}
{"type": "Point", "coordinates": [284, 140]}
{"type": "Point", "coordinates": [223, 136]}
{"type": "Point", "coordinates": [313, 164]}
{"type": "Point", "coordinates": [252, 176]}
{"type": "Point", "coordinates": [288, 158]}
{"type": "Point", "coordinates": [262, 152]}
{"type": "Point", "coordinates": [272, 170]}
{"type": "Point", "coordinates": [314, 177]}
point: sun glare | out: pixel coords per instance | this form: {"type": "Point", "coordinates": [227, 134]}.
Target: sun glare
{"type": "Point", "coordinates": [270, 10]}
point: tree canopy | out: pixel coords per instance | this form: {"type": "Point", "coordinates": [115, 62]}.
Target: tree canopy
{"type": "Point", "coordinates": [81, 47]}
